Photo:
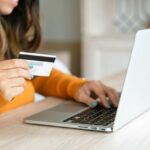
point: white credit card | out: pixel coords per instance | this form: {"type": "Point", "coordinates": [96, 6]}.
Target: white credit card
{"type": "Point", "coordinates": [40, 64]}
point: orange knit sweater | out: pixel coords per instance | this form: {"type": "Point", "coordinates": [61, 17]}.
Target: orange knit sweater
{"type": "Point", "coordinates": [57, 84]}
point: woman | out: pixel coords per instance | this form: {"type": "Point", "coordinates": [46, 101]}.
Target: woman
{"type": "Point", "coordinates": [20, 30]}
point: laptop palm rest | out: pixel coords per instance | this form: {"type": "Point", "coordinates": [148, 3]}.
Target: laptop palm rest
{"type": "Point", "coordinates": [56, 114]}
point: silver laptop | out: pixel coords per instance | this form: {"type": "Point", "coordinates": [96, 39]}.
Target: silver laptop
{"type": "Point", "coordinates": [134, 99]}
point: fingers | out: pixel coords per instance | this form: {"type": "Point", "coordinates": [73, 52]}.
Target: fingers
{"type": "Point", "coordinates": [15, 73]}
{"type": "Point", "coordinates": [14, 63]}
{"type": "Point", "coordinates": [17, 91]}
{"type": "Point", "coordinates": [12, 92]}
{"type": "Point", "coordinates": [97, 88]}
{"type": "Point", "coordinates": [112, 94]}
{"type": "Point", "coordinates": [102, 91]}
{"type": "Point", "coordinates": [12, 87]}
{"type": "Point", "coordinates": [16, 82]}
{"type": "Point", "coordinates": [12, 77]}
{"type": "Point", "coordinates": [87, 100]}
{"type": "Point", "coordinates": [83, 96]}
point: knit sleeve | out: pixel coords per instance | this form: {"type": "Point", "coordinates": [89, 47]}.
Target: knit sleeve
{"type": "Point", "coordinates": [58, 84]}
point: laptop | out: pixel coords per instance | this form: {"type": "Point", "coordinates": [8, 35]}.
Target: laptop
{"type": "Point", "coordinates": [134, 98]}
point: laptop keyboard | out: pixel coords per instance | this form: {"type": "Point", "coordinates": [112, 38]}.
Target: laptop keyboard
{"type": "Point", "coordinates": [96, 116]}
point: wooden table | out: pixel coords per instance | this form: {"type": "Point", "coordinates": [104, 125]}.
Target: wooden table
{"type": "Point", "coordinates": [15, 135]}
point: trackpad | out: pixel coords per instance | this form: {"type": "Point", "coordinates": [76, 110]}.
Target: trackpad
{"type": "Point", "coordinates": [68, 107]}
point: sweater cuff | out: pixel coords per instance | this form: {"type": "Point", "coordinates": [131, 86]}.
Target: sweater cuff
{"type": "Point", "coordinates": [75, 85]}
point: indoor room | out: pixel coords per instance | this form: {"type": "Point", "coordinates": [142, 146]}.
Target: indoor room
{"type": "Point", "coordinates": [74, 74]}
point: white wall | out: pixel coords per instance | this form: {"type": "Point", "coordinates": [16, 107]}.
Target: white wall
{"type": "Point", "coordinates": [60, 20]}
{"type": "Point", "coordinates": [97, 17]}
{"type": "Point", "coordinates": [104, 52]}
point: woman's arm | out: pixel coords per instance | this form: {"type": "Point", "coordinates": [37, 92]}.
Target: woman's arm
{"type": "Point", "coordinates": [58, 84]}
{"type": "Point", "coordinates": [68, 86]}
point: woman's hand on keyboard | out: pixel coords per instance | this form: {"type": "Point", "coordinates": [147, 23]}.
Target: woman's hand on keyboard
{"type": "Point", "coordinates": [100, 90]}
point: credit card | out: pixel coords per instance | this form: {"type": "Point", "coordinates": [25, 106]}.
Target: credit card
{"type": "Point", "coordinates": [40, 64]}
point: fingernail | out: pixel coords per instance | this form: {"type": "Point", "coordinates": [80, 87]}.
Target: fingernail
{"type": "Point", "coordinates": [30, 66]}
{"type": "Point", "coordinates": [98, 100]}
{"type": "Point", "coordinates": [108, 106]}
{"type": "Point", "coordinates": [116, 104]}
{"type": "Point", "coordinates": [93, 104]}
{"type": "Point", "coordinates": [31, 76]}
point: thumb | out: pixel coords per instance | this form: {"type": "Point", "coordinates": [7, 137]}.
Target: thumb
{"type": "Point", "coordinates": [88, 101]}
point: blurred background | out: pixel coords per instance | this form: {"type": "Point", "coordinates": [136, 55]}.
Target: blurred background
{"type": "Point", "coordinates": [93, 38]}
